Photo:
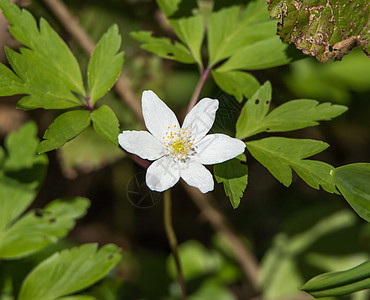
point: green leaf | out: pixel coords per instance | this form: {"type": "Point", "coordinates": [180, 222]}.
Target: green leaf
{"type": "Point", "coordinates": [236, 83]}
{"type": "Point", "coordinates": [254, 110]}
{"type": "Point", "coordinates": [291, 115]}
{"type": "Point", "coordinates": [47, 69]}
{"type": "Point", "coordinates": [339, 283]}
{"type": "Point", "coordinates": [10, 83]}
{"type": "Point", "coordinates": [353, 182]}
{"type": "Point", "coordinates": [44, 88]}
{"type": "Point", "coordinates": [260, 55]}
{"type": "Point", "coordinates": [69, 271]}
{"type": "Point", "coordinates": [229, 30]}
{"type": "Point", "coordinates": [325, 29]}
{"type": "Point", "coordinates": [21, 174]}
{"type": "Point", "coordinates": [190, 31]}
{"type": "Point", "coordinates": [234, 176]}
{"type": "Point", "coordinates": [46, 45]}
{"type": "Point", "coordinates": [106, 124]}
{"type": "Point", "coordinates": [163, 47]}
{"type": "Point", "coordinates": [64, 128]}
{"type": "Point", "coordinates": [105, 64]}
{"type": "Point", "coordinates": [39, 228]}
{"type": "Point", "coordinates": [281, 155]}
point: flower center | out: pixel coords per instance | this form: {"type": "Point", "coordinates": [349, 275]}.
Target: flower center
{"type": "Point", "coordinates": [178, 144]}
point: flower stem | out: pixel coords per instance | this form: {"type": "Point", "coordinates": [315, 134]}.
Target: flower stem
{"type": "Point", "coordinates": [167, 218]}
{"type": "Point", "coordinates": [89, 105]}
{"type": "Point", "coordinates": [198, 89]}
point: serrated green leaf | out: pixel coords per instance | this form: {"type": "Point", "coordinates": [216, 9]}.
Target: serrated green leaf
{"type": "Point", "coordinates": [339, 283]}
{"type": "Point", "coordinates": [236, 83]}
{"type": "Point", "coordinates": [106, 124]}
{"type": "Point", "coordinates": [353, 182]}
{"type": "Point", "coordinates": [254, 110]}
{"type": "Point", "coordinates": [21, 173]}
{"type": "Point", "coordinates": [292, 115]}
{"type": "Point", "coordinates": [47, 48]}
{"type": "Point", "coordinates": [163, 47]}
{"type": "Point", "coordinates": [231, 30]}
{"type": "Point", "coordinates": [69, 271]}
{"type": "Point", "coordinates": [39, 228]}
{"type": "Point", "coordinates": [105, 64]}
{"type": "Point", "coordinates": [281, 155]}
{"type": "Point", "coordinates": [260, 55]}
{"type": "Point", "coordinates": [43, 86]}
{"type": "Point", "coordinates": [10, 83]}
{"type": "Point", "coordinates": [325, 29]}
{"type": "Point", "coordinates": [191, 32]}
{"type": "Point", "coordinates": [64, 128]}
{"type": "Point", "coordinates": [234, 176]}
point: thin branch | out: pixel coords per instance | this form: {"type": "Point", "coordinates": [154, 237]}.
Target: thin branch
{"type": "Point", "coordinates": [167, 218]}
{"type": "Point", "coordinates": [71, 24]}
{"type": "Point", "coordinates": [246, 259]}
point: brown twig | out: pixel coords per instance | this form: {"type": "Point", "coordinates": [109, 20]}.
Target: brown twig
{"type": "Point", "coordinates": [218, 222]}
{"type": "Point", "coordinates": [71, 24]}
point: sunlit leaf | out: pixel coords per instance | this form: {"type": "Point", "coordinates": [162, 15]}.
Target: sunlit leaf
{"type": "Point", "coordinates": [281, 155]}
{"type": "Point", "coordinates": [69, 271]}
{"type": "Point", "coordinates": [163, 47]}
{"type": "Point", "coordinates": [339, 283]}
{"type": "Point", "coordinates": [64, 128]}
{"type": "Point", "coordinates": [190, 31]}
{"type": "Point", "coordinates": [234, 176]}
{"type": "Point", "coordinates": [39, 228]}
{"type": "Point", "coordinates": [47, 69]}
{"type": "Point", "coordinates": [105, 64]}
{"type": "Point", "coordinates": [353, 182]}
{"type": "Point", "coordinates": [325, 29]}
{"type": "Point", "coordinates": [260, 55]}
{"type": "Point", "coordinates": [292, 115]}
{"type": "Point", "coordinates": [236, 83]}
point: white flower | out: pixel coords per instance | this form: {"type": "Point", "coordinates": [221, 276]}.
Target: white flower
{"type": "Point", "coordinates": [179, 152]}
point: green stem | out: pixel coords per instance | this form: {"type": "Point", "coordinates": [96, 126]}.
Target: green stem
{"type": "Point", "coordinates": [167, 218]}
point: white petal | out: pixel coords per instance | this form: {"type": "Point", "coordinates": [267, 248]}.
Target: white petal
{"type": "Point", "coordinates": [217, 148]}
{"type": "Point", "coordinates": [195, 174]}
{"type": "Point", "coordinates": [141, 143]}
{"type": "Point", "coordinates": [201, 118]}
{"type": "Point", "coordinates": [162, 174]}
{"type": "Point", "coordinates": [157, 115]}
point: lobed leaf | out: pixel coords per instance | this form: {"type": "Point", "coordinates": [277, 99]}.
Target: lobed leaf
{"type": "Point", "coordinates": [230, 30]}
{"type": "Point", "coordinates": [46, 66]}
{"type": "Point", "coordinates": [234, 176]}
{"type": "Point", "coordinates": [191, 32]}
{"type": "Point", "coordinates": [163, 47]}
{"type": "Point", "coordinates": [105, 64]}
{"type": "Point", "coordinates": [39, 228]}
{"type": "Point", "coordinates": [106, 124]}
{"type": "Point", "coordinates": [21, 173]}
{"type": "Point", "coordinates": [325, 29]}
{"type": "Point", "coordinates": [236, 83]}
{"type": "Point", "coordinates": [69, 271]}
{"type": "Point", "coordinates": [254, 111]}
{"type": "Point", "coordinates": [281, 155]}
{"type": "Point", "coordinates": [292, 115]}
{"type": "Point", "coordinates": [260, 55]}
{"type": "Point", "coordinates": [64, 128]}
{"type": "Point", "coordinates": [339, 283]}
{"type": "Point", "coordinates": [353, 182]}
